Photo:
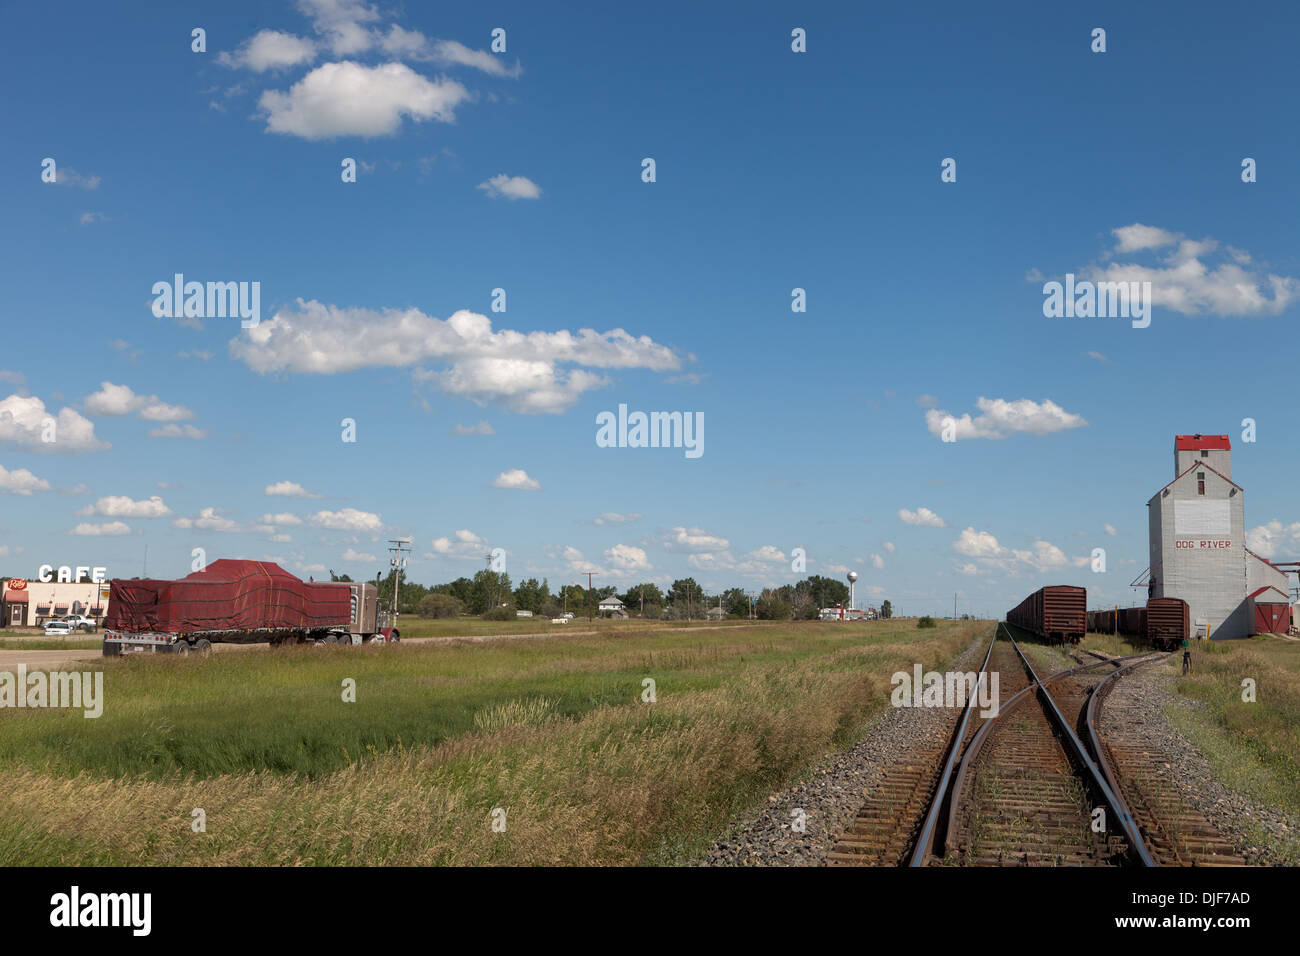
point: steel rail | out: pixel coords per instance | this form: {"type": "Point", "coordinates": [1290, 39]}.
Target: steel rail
{"type": "Point", "coordinates": [981, 736]}
{"type": "Point", "coordinates": [925, 843]}
{"type": "Point", "coordinates": [925, 840]}
{"type": "Point", "coordinates": [1095, 695]}
{"type": "Point", "coordinates": [1136, 844]}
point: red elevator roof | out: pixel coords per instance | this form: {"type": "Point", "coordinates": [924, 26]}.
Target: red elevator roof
{"type": "Point", "coordinates": [1198, 442]}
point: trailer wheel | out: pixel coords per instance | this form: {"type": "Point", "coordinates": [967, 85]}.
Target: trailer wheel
{"type": "Point", "coordinates": [182, 648]}
{"type": "Point", "coordinates": [203, 646]}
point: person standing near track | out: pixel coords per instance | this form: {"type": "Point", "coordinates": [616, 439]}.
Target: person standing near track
{"type": "Point", "coordinates": [1187, 656]}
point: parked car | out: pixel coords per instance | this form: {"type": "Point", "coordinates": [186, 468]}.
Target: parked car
{"type": "Point", "coordinates": [79, 622]}
{"type": "Point", "coordinates": [58, 629]}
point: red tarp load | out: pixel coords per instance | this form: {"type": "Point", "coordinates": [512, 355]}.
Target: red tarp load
{"type": "Point", "coordinates": [227, 596]}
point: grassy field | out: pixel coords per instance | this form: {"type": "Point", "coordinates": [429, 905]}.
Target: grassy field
{"type": "Point", "coordinates": [554, 732]}
{"type": "Point", "coordinates": [411, 626]}
{"type": "Point", "coordinates": [1110, 644]}
{"type": "Point", "coordinates": [80, 643]}
{"type": "Point", "coordinates": [1254, 747]}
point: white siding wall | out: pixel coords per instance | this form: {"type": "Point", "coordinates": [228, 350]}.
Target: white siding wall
{"type": "Point", "coordinates": [1218, 459]}
{"type": "Point", "coordinates": [1198, 552]}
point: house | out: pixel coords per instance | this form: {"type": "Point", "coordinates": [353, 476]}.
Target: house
{"type": "Point", "coordinates": [715, 614]}
{"type": "Point", "coordinates": [612, 606]}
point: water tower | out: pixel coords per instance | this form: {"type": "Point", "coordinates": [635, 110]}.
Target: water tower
{"type": "Point", "coordinates": [853, 580]}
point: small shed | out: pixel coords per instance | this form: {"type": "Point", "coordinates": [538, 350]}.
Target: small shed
{"type": "Point", "coordinates": [1269, 611]}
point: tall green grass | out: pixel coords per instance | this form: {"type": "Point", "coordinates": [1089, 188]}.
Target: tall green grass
{"type": "Point", "coordinates": [554, 732]}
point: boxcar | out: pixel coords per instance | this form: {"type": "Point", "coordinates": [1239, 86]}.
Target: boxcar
{"type": "Point", "coordinates": [1057, 614]}
{"type": "Point", "coordinates": [1133, 621]}
{"type": "Point", "coordinates": [1168, 623]}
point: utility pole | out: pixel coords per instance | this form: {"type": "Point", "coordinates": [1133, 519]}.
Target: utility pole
{"type": "Point", "coordinates": [591, 608]}
{"type": "Point", "coordinates": [400, 547]}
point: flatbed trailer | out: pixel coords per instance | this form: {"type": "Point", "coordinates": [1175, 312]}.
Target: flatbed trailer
{"type": "Point", "coordinates": [240, 602]}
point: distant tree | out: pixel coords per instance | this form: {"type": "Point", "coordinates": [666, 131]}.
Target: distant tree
{"type": "Point", "coordinates": [491, 589]}
{"type": "Point", "coordinates": [409, 594]}
{"type": "Point", "coordinates": [502, 612]}
{"type": "Point", "coordinates": [886, 610]}
{"type": "Point", "coordinates": [653, 612]}
{"type": "Point", "coordinates": [770, 607]}
{"type": "Point", "coordinates": [462, 589]}
{"type": "Point", "coordinates": [827, 592]}
{"type": "Point", "coordinates": [926, 621]}
{"type": "Point", "coordinates": [576, 597]}
{"type": "Point", "coordinates": [687, 593]}
{"type": "Point", "coordinates": [634, 595]}
{"type": "Point", "coordinates": [438, 604]}
{"type": "Point", "coordinates": [736, 602]}
{"type": "Point", "coordinates": [531, 596]}
{"type": "Point", "coordinates": [340, 578]}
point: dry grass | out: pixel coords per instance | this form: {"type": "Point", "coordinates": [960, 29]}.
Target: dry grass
{"type": "Point", "coordinates": [1254, 746]}
{"type": "Point", "coordinates": [616, 783]}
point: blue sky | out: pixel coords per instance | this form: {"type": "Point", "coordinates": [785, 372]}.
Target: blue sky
{"type": "Point", "coordinates": [522, 170]}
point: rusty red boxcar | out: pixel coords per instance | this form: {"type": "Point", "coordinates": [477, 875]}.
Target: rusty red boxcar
{"type": "Point", "coordinates": [1057, 614]}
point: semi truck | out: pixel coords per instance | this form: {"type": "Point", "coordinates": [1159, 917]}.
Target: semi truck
{"type": "Point", "coordinates": [240, 602]}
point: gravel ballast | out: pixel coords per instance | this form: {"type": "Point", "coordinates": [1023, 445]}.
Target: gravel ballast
{"type": "Point", "coordinates": [1145, 694]}
{"type": "Point", "coordinates": [833, 792]}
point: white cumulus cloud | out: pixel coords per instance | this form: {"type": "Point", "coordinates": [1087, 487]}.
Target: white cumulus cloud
{"type": "Point", "coordinates": [999, 418]}
{"type": "Point", "coordinates": [526, 372]}
{"type": "Point", "coordinates": [1195, 276]}
{"type": "Point", "coordinates": [122, 506]}
{"type": "Point", "coordinates": [627, 557]}
{"type": "Point", "coordinates": [25, 421]}
{"type": "Point", "coordinates": [977, 544]}
{"type": "Point", "coordinates": [510, 187]}
{"type": "Point", "coordinates": [208, 520]}
{"type": "Point", "coordinates": [121, 400]}
{"type": "Point", "coordinates": [270, 50]}
{"type": "Point", "coordinates": [694, 539]}
{"type": "Point", "coordinates": [1272, 538]}
{"type": "Point", "coordinates": [452, 53]}
{"type": "Point", "coordinates": [349, 99]}
{"type": "Point", "coordinates": [107, 529]}
{"type": "Point", "coordinates": [921, 516]}
{"type": "Point", "coordinates": [289, 489]}
{"type": "Point", "coordinates": [348, 519]}
{"type": "Point", "coordinates": [615, 518]}
{"type": "Point", "coordinates": [515, 478]}
{"type": "Point", "coordinates": [20, 481]}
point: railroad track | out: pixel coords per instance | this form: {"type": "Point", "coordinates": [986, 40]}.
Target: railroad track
{"type": "Point", "coordinates": [1034, 785]}
{"type": "Point", "coordinates": [1027, 797]}
{"type": "Point", "coordinates": [1177, 833]}
{"type": "Point", "coordinates": [891, 820]}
